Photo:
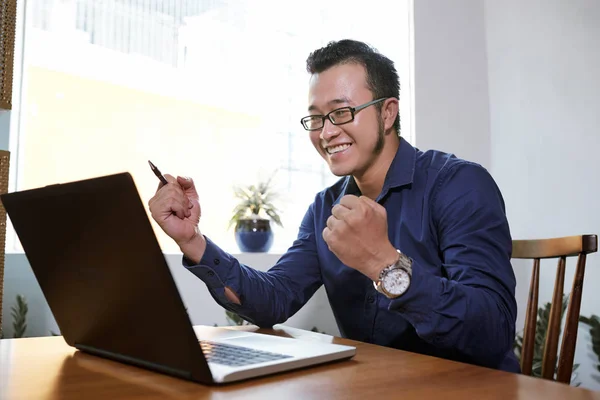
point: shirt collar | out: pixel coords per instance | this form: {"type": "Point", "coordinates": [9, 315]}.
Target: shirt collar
{"type": "Point", "coordinates": [402, 169]}
{"type": "Point", "coordinates": [400, 173]}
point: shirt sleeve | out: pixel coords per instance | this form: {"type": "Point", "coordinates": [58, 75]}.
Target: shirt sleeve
{"type": "Point", "coordinates": [267, 298]}
{"type": "Point", "coordinates": [470, 306]}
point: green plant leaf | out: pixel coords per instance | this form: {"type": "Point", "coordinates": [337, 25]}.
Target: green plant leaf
{"type": "Point", "coordinates": [256, 200]}
{"type": "Point", "coordinates": [19, 314]}
{"type": "Point", "coordinates": [234, 319]}
{"type": "Point", "coordinates": [594, 324]}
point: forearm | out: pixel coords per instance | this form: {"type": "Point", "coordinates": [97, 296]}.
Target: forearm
{"type": "Point", "coordinates": [263, 298]}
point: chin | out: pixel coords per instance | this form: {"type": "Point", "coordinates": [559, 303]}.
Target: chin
{"type": "Point", "coordinates": [340, 170]}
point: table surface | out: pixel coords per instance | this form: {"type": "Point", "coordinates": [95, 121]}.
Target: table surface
{"type": "Point", "coordinates": [47, 368]}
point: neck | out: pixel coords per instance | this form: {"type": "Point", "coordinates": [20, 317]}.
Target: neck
{"type": "Point", "coordinates": [370, 182]}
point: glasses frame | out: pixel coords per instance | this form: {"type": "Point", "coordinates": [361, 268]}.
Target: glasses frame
{"type": "Point", "coordinates": [353, 111]}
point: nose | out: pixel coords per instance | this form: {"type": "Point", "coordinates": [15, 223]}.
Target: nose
{"type": "Point", "coordinates": [329, 130]}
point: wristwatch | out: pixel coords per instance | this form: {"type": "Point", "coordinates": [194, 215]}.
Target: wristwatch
{"type": "Point", "coordinates": [394, 280]}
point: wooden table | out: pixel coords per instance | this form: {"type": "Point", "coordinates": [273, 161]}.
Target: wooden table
{"type": "Point", "coordinates": [46, 368]}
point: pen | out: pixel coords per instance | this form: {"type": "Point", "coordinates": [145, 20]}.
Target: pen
{"type": "Point", "coordinates": [157, 173]}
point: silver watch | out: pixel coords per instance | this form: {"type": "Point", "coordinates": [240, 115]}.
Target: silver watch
{"type": "Point", "coordinates": [394, 280]}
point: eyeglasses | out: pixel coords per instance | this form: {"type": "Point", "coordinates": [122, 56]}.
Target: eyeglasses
{"type": "Point", "coordinates": [337, 117]}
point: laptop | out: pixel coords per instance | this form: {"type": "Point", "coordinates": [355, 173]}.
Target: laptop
{"type": "Point", "coordinates": [96, 258]}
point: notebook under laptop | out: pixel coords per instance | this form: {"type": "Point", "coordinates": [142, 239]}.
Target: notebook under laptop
{"type": "Point", "coordinates": [96, 258]}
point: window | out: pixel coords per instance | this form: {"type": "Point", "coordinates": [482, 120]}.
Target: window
{"type": "Point", "coordinates": [211, 89]}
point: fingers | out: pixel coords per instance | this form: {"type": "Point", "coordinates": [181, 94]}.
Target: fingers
{"type": "Point", "coordinates": [327, 236]}
{"type": "Point", "coordinates": [171, 199]}
{"type": "Point", "coordinates": [189, 188]}
{"type": "Point", "coordinates": [369, 202]}
{"type": "Point", "coordinates": [180, 189]}
{"type": "Point", "coordinates": [186, 182]}
{"type": "Point", "coordinates": [332, 222]}
{"type": "Point", "coordinates": [350, 201]}
{"type": "Point", "coordinates": [353, 212]}
{"type": "Point", "coordinates": [171, 204]}
{"type": "Point", "coordinates": [337, 221]}
{"type": "Point", "coordinates": [340, 211]}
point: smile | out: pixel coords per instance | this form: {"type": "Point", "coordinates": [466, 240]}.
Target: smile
{"type": "Point", "coordinates": [337, 149]}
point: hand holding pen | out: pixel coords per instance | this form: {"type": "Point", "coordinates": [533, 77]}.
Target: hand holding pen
{"type": "Point", "coordinates": [176, 208]}
{"type": "Point", "coordinates": [185, 184]}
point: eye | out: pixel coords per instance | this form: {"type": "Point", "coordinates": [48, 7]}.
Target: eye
{"type": "Point", "coordinates": [313, 121]}
{"type": "Point", "coordinates": [341, 115]}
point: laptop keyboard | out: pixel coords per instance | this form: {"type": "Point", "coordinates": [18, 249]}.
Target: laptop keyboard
{"type": "Point", "coordinates": [236, 356]}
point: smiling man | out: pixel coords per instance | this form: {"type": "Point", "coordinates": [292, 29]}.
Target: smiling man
{"type": "Point", "coordinates": [413, 247]}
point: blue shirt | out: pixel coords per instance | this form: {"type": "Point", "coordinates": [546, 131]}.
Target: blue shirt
{"type": "Point", "coordinates": [448, 215]}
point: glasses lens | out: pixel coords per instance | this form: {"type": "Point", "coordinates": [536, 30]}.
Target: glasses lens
{"type": "Point", "coordinates": [312, 122]}
{"type": "Point", "coordinates": [341, 116]}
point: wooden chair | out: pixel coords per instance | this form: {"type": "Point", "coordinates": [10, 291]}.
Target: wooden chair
{"type": "Point", "coordinates": [559, 248]}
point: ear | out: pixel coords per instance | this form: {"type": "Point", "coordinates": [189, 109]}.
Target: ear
{"type": "Point", "coordinates": [389, 111]}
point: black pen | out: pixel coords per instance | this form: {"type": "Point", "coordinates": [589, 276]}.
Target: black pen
{"type": "Point", "coordinates": [157, 173]}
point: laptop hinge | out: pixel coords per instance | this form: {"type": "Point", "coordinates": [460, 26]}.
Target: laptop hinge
{"type": "Point", "coordinates": [134, 361]}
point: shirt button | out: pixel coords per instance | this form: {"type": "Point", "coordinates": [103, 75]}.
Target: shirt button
{"type": "Point", "coordinates": [370, 298]}
{"type": "Point", "coordinates": [210, 273]}
{"type": "Point", "coordinates": [217, 261]}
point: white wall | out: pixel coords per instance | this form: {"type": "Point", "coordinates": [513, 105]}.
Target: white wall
{"type": "Point", "coordinates": [544, 65]}
{"type": "Point", "coordinates": [450, 73]}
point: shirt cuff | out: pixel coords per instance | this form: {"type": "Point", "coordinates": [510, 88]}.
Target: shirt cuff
{"type": "Point", "coordinates": [214, 269]}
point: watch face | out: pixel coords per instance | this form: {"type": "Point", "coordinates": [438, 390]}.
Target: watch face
{"type": "Point", "coordinates": [396, 282]}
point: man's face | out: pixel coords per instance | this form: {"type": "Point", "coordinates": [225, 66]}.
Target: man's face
{"type": "Point", "coordinates": [351, 148]}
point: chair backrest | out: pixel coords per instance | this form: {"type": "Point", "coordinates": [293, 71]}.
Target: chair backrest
{"type": "Point", "coordinates": [559, 248]}
{"type": "Point", "coordinates": [4, 167]}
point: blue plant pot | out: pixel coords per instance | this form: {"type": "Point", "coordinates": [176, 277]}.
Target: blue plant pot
{"type": "Point", "coordinates": [254, 235]}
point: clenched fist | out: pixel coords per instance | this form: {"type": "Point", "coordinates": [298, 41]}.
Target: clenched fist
{"type": "Point", "coordinates": [176, 208]}
{"type": "Point", "coordinates": [357, 233]}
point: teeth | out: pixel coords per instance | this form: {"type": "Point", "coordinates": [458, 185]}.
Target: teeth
{"type": "Point", "coordinates": [337, 149]}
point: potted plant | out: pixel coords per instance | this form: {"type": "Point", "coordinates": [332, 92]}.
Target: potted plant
{"type": "Point", "coordinates": [253, 215]}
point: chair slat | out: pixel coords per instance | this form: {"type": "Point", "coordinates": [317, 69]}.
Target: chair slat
{"type": "Point", "coordinates": [530, 320]}
{"type": "Point", "coordinates": [551, 344]}
{"type": "Point", "coordinates": [569, 340]}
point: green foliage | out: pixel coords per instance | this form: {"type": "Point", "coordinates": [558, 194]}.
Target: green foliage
{"type": "Point", "coordinates": [256, 200]}
{"type": "Point", "coordinates": [19, 314]}
{"type": "Point", "coordinates": [540, 337]}
{"type": "Point", "coordinates": [594, 324]}
{"type": "Point", "coordinates": [234, 319]}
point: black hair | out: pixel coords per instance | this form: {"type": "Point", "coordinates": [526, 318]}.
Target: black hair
{"type": "Point", "coordinates": [382, 77]}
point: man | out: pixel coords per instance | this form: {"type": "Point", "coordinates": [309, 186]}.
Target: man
{"type": "Point", "coordinates": [413, 247]}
